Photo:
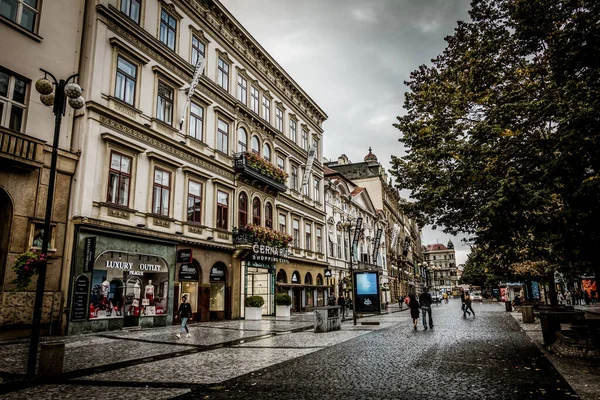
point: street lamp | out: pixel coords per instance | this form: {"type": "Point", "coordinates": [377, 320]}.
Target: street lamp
{"type": "Point", "coordinates": [348, 225]}
{"type": "Point", "coordinates": [63, 90]}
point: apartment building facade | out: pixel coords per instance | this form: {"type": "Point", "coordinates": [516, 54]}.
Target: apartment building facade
{"type": "Point", "coordinates": [442, 271]}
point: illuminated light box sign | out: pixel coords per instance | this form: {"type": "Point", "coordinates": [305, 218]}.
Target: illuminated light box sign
{"type": "Point", "coordinates": [366, 292]}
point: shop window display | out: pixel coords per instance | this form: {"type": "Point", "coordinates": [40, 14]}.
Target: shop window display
{"type": "Point", "coordinates": [128, 285]}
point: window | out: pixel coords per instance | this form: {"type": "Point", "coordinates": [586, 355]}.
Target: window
{"type": "Point", "coordinates": [282, 223]}
{"type": "Point", "coordinates": [255, 145]}
{"type": "Point", "coordinates": [242, 210]}
{"type": "Point", "coordinates": [305, 185]}
{"type": "Point", "coordinates": [318, 240]}
{"type": "Point", "coordinates": [12, 100]}
{"type": "Point", "coordinates": [308, 237]}
{"type": "Point", "coordinates": [296, 229]}
{"type": "Point", "coordinates": [267, 152]}
{"type": "Point", "coordinates": [269, 215]}
{"type": "Point", "coordinates": [280, 162]}
{"type": "Point", "coordinates": [164, 104]}
{"type": "Point", "coordinates": [161, 192]}
{"type": "Point", "coordinates": [242, 140]}
{"type": "Point", "coordinates": [254, 99]}
{"type": "Point", "coordinates": [131, 8]}
{"type": "Point", "coordinates": [317, 190]}
{"type": "Point", "coordinates": [125, 82]}
{"type": "Point", "coordinates": [198, 50]}
{"type": "Point", "coordinates": [266, 114]}
{"type": "Point", "coordinates": [256, 211]}
{"type": "Point", "coordinates": [304, 143]}
{"type": "Point", "coordinates": [22, 12]}
{"type": "Point", "coordinates": [294, 178]}
{"type": "Point", "coordinates": [293, 127]}
{"type": "Point", "coordinates": [223, 74]}
{"type": "Point", "coordinates": [168, 29]}
{"type": "Point", "coordinates": [196, 121]}
{"type": "Point", "coordinates": [339, 247]}
{"type": "Point", "coordinates": [119, 178]}
{"type": "Point", "coordinates": [330, 247]}
{"type": "Point", "coordinates": [194, 210]}
{"type": "Point", "coordinates": [223, 136]}
{"type": "Point", "coordinates": [242, 89]}
{"type": "Point", "coordinates": [316, 146]}
{"type": "Point", "coordinates": [222, 210]}
{"type": "Point", "coordinates": [279, 119]}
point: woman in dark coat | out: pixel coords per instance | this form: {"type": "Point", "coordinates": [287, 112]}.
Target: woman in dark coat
{"type": "Point", "coordinates": [414, 306]}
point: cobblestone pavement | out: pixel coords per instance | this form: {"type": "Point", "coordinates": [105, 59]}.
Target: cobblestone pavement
{"type": "Point", "coordinates": [489, 357]}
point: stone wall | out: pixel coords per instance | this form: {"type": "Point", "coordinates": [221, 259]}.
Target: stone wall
{"type": "Point", "coordinates": [17, 307]}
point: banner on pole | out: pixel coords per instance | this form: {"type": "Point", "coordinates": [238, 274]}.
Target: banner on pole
{"type": "Point", "coordinates": [199, 70]}
{"type": "Point", "coordinates": [312, 152]}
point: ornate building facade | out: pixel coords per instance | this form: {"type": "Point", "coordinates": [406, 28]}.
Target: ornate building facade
{"type": "Point", "coordinates": [442, 271]}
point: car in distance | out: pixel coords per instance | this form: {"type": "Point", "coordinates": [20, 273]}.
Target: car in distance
{"type": "Point", "coordinates": [476, 296]}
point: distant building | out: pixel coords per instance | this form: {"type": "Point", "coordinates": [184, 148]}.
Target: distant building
{"type": "Point", "coordinates": [443, 273]}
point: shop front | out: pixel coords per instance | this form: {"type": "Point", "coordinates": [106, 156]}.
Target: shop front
{"type": "Point", "coordinates": [120, 282]}
{"type": "Point", "coordinates": [305, 284]}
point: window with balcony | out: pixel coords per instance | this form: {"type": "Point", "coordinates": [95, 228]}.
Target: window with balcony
{"type": "Point", "coordinates": [222, 210]}
{"type": "Point", "coordinates": [269, 215]}
{"type": "Point", "coordinates": [119, 179]}
{"type": "Point", "coordinates": [196, 128]}
{"type": "Point", "coordinates": [164, 103]}
{"type": "Point", "coordinates": [296, 232]}
{"type": "Point", "coordinates": [161, 192]}
{"type": "Point", "coordinates": [242, 89]}
{"type": "Point", "coordinates": [267, 152]}
{"type": "Point", "coordinates": [125, 81]}
{"type": "Point", "coordinates": [242, 210]}
{"type": "Point", "coordinates": [21, 12]}
{"type": "Point", "coordinates": [168, 29]}
{"type": "Point", "coordinates": [255, 145]}
{"type": "Point", "coordinates": [12, 101]}
{"type": "Point", "coordinates": [131, 8]}
{"type": "Point", "coordinates": [242, 140]}
{"type": "Point", "coordinates": [254, 99]}
{"type": "Point", "coordinates": [222, 136]}
{"type": "Point", "coordinates": [279, 119]}
{"type": "Point", "coordinates": [194, 204]}
{"type": "Point", "coordinates": [282, 223]}
{"type": "Point", "coordinates": [280, 162]}
{"type": "Point", "coordinates": [223, 74]}
{"type": "Point", "coordinates": [266, 109]}
{"type": "Point", "coordinates": [198, 50]}
{"type": "Point", "coordinates": [256, 211]}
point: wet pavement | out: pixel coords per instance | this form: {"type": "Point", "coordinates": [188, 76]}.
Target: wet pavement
{"type": "Point", "coordinates": [489, 357]}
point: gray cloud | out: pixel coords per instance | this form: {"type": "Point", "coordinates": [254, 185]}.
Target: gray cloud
{"type": "Point", "coordinates": [352, 57]}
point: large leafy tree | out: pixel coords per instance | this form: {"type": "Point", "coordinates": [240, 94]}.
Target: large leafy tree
{"type": "Point", "coordinates": [501, 133]}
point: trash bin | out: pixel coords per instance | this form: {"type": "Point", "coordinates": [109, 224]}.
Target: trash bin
{"type": "Point", "coordinates": [52, 355]}
{"type": "Point", "coordinates": [550, 325]}
{"type": "Point", "coordinates": [527, 312]}
{"type": "Point", "coordinates": [508, 305]}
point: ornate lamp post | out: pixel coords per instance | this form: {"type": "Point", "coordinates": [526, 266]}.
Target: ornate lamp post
{"type": "Point", "coordinates": [57, 97]}
{"type": "Point", "coordinates": [348, 225]}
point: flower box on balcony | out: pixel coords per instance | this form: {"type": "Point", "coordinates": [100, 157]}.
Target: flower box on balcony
{"type": "Point", "coordinates": [255, 167]}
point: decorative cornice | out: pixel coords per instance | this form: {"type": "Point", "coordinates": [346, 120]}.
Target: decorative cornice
{"type": "Point", "coordinates": [199, 33]}
{"type": "Point", "coordinates": [170, 8]}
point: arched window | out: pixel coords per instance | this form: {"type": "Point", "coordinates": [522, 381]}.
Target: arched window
{"type": "Point", "coordinates": [255, 145]}
{"type": "Point", "coordinates": [281, 276]}
{"type": "Point", "coordinates": [267, 152]}
{"type": "Point", "coordinates": [269, 215]}
{"type": "Point", "coordinates": [308, 279]}
{"type": "Point", "coordinates": [242, 140]}
{"type": "Point", "coordinates": [256, 211]}
{"type": "Point", "coordinates": [242, 210]}
{"type": "Point", "coordinates": [319, 280]}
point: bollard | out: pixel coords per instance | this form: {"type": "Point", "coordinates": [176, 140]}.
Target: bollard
{"type": "Point", "coordinates": [508, 305]}
{"type": "Point", "coordinates": [52, 355]}
{"type": "Point", "coordinates": [527, 313]}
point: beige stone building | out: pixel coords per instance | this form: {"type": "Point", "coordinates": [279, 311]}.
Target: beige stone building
{"type": "Point", "coordinates": [157, 204]}
{"type": "Point", "coordinates": [442, 271]}
{"type": "Point", "coordinates": [35, 34]}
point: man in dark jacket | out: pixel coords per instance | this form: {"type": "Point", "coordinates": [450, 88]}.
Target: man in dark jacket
{"type": "Point", "coordinates": [184, 312]}
{"type": "Point", "coordinates": [425, 301]}
{"type": "Point", "coordinates": [341, 301]}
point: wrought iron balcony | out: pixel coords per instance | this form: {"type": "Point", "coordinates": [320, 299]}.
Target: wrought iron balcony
{"type": "Point", "coordinates": [259, 170]}
{"type": "Point", "coordinates": [241, 236]}
{"type": "Point", "coordinates": [20, 150]}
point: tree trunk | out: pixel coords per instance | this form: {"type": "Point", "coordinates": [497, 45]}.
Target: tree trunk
{"type": "Point", "coordinates": [552, 289]}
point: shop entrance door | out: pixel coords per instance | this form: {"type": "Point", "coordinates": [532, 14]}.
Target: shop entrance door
{"type": "Point", "coordinates": [175, 306]}
{"type": "Point", "coordinates": [297, 299]}
{"type": "Point", "coordinates": [132, 310]}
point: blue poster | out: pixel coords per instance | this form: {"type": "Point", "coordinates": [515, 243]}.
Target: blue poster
{"type": "Point", "coordinates": [535, 290]}
{"type": "Point", "coordinates": [366, 283]}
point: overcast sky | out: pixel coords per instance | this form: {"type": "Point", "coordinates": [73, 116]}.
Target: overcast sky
{"type": "Point", "coordinates": [352, 58]}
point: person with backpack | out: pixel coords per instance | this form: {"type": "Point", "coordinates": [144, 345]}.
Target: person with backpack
{"type": "Point", "coordinates": [425, 300]}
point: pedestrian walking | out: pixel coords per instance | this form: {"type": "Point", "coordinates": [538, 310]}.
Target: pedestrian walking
{"type": "Point", "coordinates": [560, 297]}
{"type": "Point", "coordinates": [568, 297]}
{"type": "Point", "coordinates": [462, 301]}
{"type": "Point", "coordinates": [425, 300]}
{"type": "Point", "coordinates": [184, 312]}
{"type": "Point", "coordinates": [341, 301]}
{"type": "Point", "coordinates": [468, 303]}
{"type": "Point", "coordinates": [401, 301]}
{"type": "Point", "coordinates": [594, 296]}
{"type": "Point", "coordinates": [413, 305]}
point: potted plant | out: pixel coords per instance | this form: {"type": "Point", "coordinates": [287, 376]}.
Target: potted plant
{"type": "Point", "coordinates": [253, 308]}
{"type": "Point", "coordinates": [283, 303]}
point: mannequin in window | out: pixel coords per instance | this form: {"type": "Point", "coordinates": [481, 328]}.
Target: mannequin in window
{"type": "Point", "coordinates": [150, 291]}
{"type": "Point", "coordinates": [105, 290]}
